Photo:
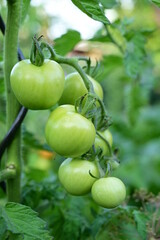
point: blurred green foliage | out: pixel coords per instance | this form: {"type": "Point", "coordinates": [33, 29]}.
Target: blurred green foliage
{"type": "Point", "coordinates": [130, 76]}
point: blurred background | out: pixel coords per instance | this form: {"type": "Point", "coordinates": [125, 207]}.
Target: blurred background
{"type": "Point", "coordinates": [130, 76]}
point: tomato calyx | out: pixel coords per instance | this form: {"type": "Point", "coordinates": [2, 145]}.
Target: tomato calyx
{"type": "Point", "coordinates": [105, 163]}
{"type": "Point", "coordinates": [36, 55]}
{"type": "Point", "coordinates": [90, 70]}
{"type": "Point", "coordinates": [88, 107]}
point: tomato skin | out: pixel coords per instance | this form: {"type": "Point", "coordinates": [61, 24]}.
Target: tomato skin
{"type": "Point", "coordinates": [74, 88]}
{"type": "Point", "coordinates": [37, 87]}
{"type": "Point", "coordinates": [108, 192]}
{"type": "Point", "coordinates": [69, 133]}
{"type": "Point", "coordinates": [100, 143]}
{"type": "Point", "coordinates": [74, 176]}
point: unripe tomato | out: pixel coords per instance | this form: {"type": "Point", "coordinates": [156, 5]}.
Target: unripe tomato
{"type": "Point", "coordinates": [108, 192]}
{"type": "Point", "coordinates": [75, 88]}
{"type": "Point", "coordinates": [37, 87]}
{"type": "Point", "coordinates": [100, 143]}
{"type": "Point", "coordinates": [74, 176]}
{"type": "Point", "coordinates": [69, 133]}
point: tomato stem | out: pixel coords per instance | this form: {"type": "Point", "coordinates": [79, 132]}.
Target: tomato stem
{"type": "Point", "coordinates": [8, 173]}
{"type": "Point", "coordinates": [12, 105]}
{"type": "Point", "coordinates": [108, 145]}
{"type": "Point", "coordinates": [101, 171]}
{"type": "Point", "coordinates": [70, 61]}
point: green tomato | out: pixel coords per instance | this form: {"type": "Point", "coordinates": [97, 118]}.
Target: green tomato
{"type": "Point", "coordinates": [74, 88]}
{"type": "Point", "coordinates": [100, 143]}
{"type": "Point", "coordinates": [37, 87]}
{"type": "Point", "coordinates": [74, 176]}
{"type": "Point", "coordinates": [69, 133]}
{"type": "Point", "coordinates": [108, 192]}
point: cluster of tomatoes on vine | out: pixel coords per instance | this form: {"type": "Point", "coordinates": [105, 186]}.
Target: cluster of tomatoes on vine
{"type": "Point", "coordinates": [77, 129]}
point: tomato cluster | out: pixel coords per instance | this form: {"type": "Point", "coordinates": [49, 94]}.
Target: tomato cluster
{"type": "Point", "coordinates": [68, 132]}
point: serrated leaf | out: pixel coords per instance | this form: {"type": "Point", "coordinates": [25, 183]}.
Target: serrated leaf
{"type": "Point", "coordinates": [67, 42]}
{"type": "Point", "coordinates": [109, 3]}
{"type": "Point", "coordinates": [93, 9]}
{"type": "Point", "coordinates": [21, 219]}
{"type": "Point", "coordinates": [31, 141]}
{"type": "Point", "coordinates": [141, 219]}
{"type": "Point", "coordinates": [156, 2]}
{"type": "Point", "coordinates": [134, 55]}
{"type": "Point", "coordinates": [15, 236]}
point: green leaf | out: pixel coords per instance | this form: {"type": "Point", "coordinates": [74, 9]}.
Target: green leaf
{"type": "Point", "coordinates": [156, 2]}
{"type": "Point", "coordinates": [2, 227]}
{"type": "Point", "coordinates": [31, 141]}
{"type": "Point", "coordinates": [135, 55]}
{"type": "Point", "coordinates": [109, 3]}
{"type": "Point", "coordinates": [108, 65]}
{"type": "Point", "coordinates": [100, 36]}
{"type": "Point", "coordinates": [67, 42]}
{"type": "Point", "coordinates": [20, 219]}
{"type": "Point", "coordinates": [141, 219]}
{"type": "Point", "coordinates": [93, 9]}
{"type": "Point", "coordinates": [15, 236]}
{"type": "Point", "coordinates": [25, 7]}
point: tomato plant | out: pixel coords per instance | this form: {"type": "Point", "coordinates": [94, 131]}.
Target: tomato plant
{"type": "Point", "coordinates": [37, 87]}
{"type": "Point", "coordinates": [69, 133]}
{"type": "Point", "coordinates": [74, 175]}
{"type": "Point", "coordinates": [100, 142]}
{"type": "Point", "coordinates": [108, 192]}
{"type": "Point", "coordinates": [128, 68]}
{"type": "Point", "coordinates": [75, 88]}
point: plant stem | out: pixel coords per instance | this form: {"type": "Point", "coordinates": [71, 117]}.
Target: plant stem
{"type": "Point", "coordinates": [12, 106]}
{"type": "Point", "coordinates": [8, 173]}
{"type": "Point", "coordinates": [72, 62]}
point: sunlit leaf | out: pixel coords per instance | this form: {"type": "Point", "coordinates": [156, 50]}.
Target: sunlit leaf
{"type": "Point", "coordinates": [93, 9]}
{"type": "Point", "coordinates": [67, 42]}
{"type": "Point", "coordinates": [156, 2]}
{"type": "Point", "coordinates": [109, 3]}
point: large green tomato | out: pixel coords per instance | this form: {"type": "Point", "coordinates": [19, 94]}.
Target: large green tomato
{"type": "Point", "coordinates": [74, 176]}
{"type": "Point", "coordinates": [100, 143]}
{"type": "Point", "coordinates": [108, 192]}
{"type": "Point", "coordinates": [69, 133]}
{"type": "Point", "coordinates": [37, 87]}
{"type": "Point", "coordinates": [74, 88]}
